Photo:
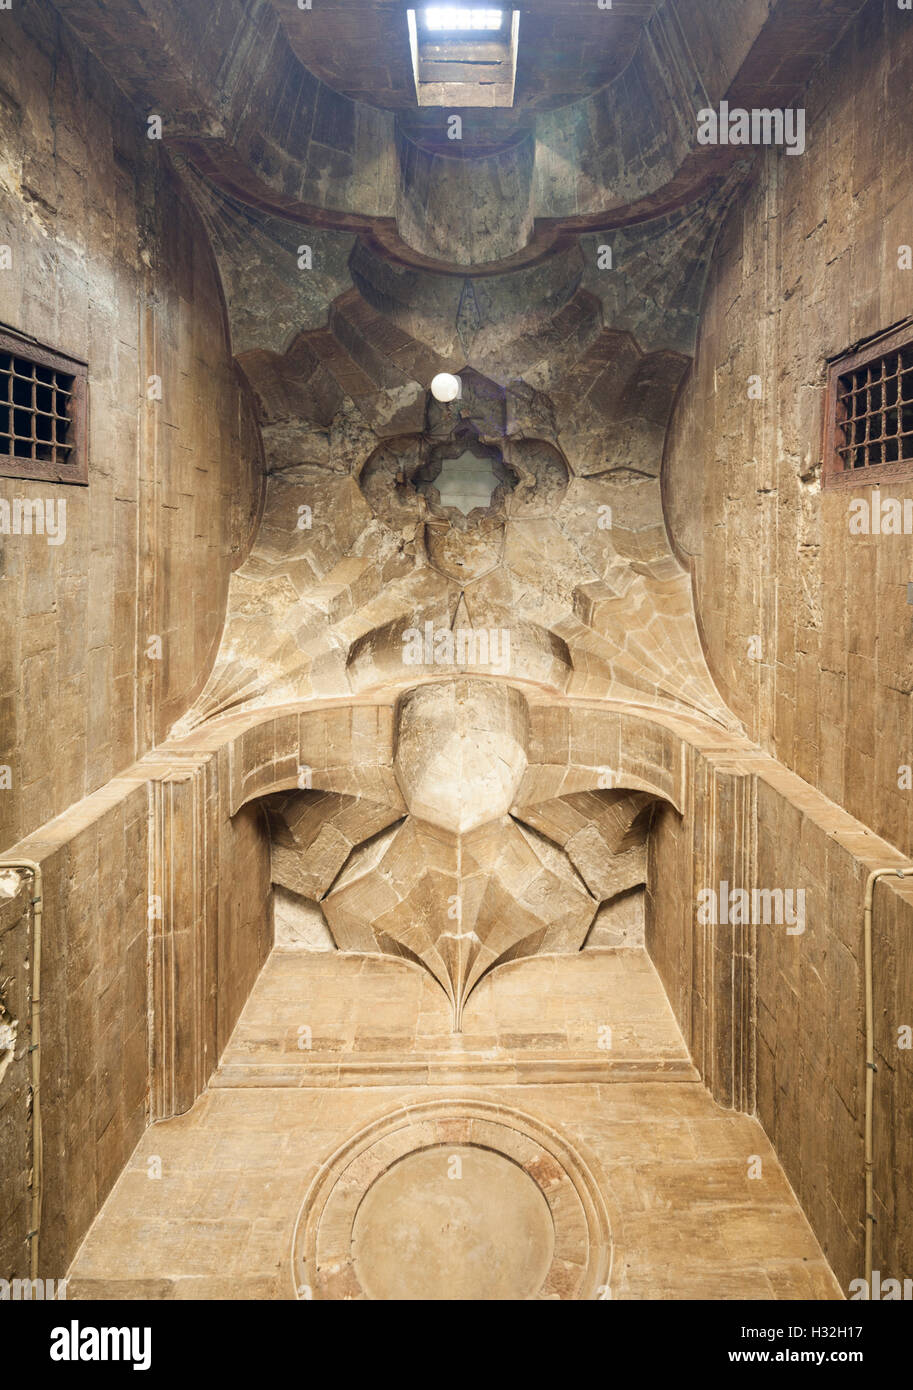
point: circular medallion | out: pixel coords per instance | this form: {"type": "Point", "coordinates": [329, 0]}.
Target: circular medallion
{"type": "Point", "coordinates": [454, 1200]}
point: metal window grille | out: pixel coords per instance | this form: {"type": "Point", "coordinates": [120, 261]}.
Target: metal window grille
{"type": "Point", "coordinates": [870, 424]}
{"type": "Point", "coordinates": [42, 413]}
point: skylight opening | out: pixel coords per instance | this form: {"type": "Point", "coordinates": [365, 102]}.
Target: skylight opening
{"type": "Point", "coordinates": [440, 18]}
{"type": "Point", "coordinates": [463, 55]}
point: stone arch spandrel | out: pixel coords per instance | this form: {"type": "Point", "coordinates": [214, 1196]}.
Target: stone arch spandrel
{"type": "Point", "coordinates": [335, 749]}
{"type": "Point", "coordinates": [577, 748]}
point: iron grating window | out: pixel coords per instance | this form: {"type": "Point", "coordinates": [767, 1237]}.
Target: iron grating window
{"type": "Point", "coordinates": [42, 413]}
{"type": "Point", "coordinates": [870, 413]}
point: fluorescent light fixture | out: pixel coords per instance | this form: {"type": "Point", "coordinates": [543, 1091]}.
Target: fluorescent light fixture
{"type": "Point", "coordinates": [438, 17]}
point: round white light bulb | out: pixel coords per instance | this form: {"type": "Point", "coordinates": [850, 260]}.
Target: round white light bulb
{"type": "Point", "coordinates": [446, 388]}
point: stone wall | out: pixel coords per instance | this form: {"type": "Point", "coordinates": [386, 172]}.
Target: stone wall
{"type": "Point", "coordinates": [810, 1028]}
{"type": "Point", "coordinates": [156, 923]}
{"type": "Point", "coordinates": [110, 264]}
{"type": "Point", "coordinates": [773, 1015]}
{"type": "Point", "coordinates": [15, 1070]}
{"type": "Point", "coordinates": [210, 924]}
{"type": "Point", "coordinates": [157, 872]}
{"type": "Point", "coordinates": [806, 266]}
{"type": "Point", "coordinates": [93, 1017]}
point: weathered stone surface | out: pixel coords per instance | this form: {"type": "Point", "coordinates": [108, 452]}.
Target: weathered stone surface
{"type": "Point", "coordinates": [556, 581]}
{"type": "Point", "coordinates": [299, 923]}
{"type": "Point", "coordinates": [456, 711]}
{"type": "Point", "coordinates": [114, 629]}
{"type": "Point", "coordinates": [619, 922]}
{"type": "Point", "coordinates": [458, 886]}
{"type": "Point", "coordinates": [461, 752]}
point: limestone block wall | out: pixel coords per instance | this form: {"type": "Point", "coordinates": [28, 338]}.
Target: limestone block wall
{"type": "Point", "coordinates": [807, 264]}
{"type": "Point", "coordinates": [156, 923]}
{"type": "Point", "coordinates": [209, 925]}
{"type": "Point", "coordinates": [774, 1016]}
{"type": "Point", "coordinates": [810, 1028]}
{"type": "Point", "coordinates": [15, 1068]}
{"type": "Point", "coordinates": [707, 970]}
{"type": "Point", "coordinates": [93, 1016]}
{"type": "Point", "coordinates": [110, 264]}
{"type": "Point", "coordinates": [893, 1119]}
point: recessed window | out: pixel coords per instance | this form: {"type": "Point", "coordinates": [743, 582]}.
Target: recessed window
{"type": "Point", "coordinates": [870, 413]}
{"type": "Point", "coordinates": [466, 482]}
{"type": "Point", "coordinates": [464, 55]}
{"type": "Point", "coordinates": [456, 17]}
{"type": "Point", "coordinates": [42, 413]}
{"type": "Point", "coordinates": [464, 474]}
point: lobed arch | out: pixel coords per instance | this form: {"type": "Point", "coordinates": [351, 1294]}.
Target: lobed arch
{"type": "Point", "coordinates": [349, 748]}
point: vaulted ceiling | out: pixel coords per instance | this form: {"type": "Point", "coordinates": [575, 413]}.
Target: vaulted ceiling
{"type": "Point", "coordinates": [297, 131]}
{"type": "Point", "coordinates": [361, 49]}
{"type": "Point", "coordinates": [310, 114]}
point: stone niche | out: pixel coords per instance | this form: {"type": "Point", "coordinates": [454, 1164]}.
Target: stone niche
{"type": "Point", "coordinates": [477, 457]}
{"type": "Point", "coordinates": [477, 872]}
{"type": "Point", "coordinates": [472, 467]}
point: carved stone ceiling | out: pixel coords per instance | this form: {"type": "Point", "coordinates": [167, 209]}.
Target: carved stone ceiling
{"type": "Point", "coordinates": [374, 576]}
{"type": "Point", "coordinates": [361, 49]}
{"type": "Point", "coordinates": [603, 134]}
